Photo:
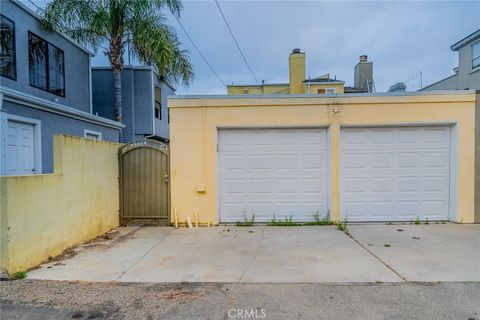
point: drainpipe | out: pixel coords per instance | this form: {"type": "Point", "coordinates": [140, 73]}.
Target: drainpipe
{"type": "Point", "coordinates": [204, 149]}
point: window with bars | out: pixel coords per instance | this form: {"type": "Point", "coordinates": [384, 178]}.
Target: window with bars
{"type": "Point", "coordinates": [46, 65]}
{"type": "Point", "coordinates": [8, 65]}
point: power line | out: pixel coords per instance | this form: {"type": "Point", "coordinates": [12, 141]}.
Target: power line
{"type": "Point", "coordinates": [235, 40]}
{"type": "Point", "coordinates": [183, 28]}
{"type": "Point", "coordinates": [199, 52]}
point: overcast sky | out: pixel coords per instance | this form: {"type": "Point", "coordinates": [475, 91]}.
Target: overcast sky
{"type": "Point", "coordinates": [401, 38]}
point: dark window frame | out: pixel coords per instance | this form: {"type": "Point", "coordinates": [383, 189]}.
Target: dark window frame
{"type": "Point", "coordinates": [47, 69]}
{"type": "Point", "coordinates": [158, 114]}
{"type": "Point", "coordinates": [14, 44]}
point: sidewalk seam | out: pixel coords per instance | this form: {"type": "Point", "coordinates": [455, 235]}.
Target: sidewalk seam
{"type": "Point", "coordinates": [143, 256]}
{"type": "Point", "coordinates": [378, 258]}
{"type": "Point", "coordinates": [254, 258]}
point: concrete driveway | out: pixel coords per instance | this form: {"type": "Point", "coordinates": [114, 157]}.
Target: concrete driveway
{"type": "Point", "coordinates": [374, 253]}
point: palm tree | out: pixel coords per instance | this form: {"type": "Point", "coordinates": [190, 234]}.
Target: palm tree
{"type": "Point", "coordinates": [135, 25]}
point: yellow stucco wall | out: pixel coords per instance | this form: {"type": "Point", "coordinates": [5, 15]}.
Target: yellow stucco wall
{"type": "Point", "coordinates": [42, 215]}
{"type": "Point", "coordinates": [194, 156]}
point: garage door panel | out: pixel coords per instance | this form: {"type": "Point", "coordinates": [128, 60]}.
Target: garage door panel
{"type": "Point", "coordinates": [280, 171]}
{"type": "Point", "coordinates": [407, 177]}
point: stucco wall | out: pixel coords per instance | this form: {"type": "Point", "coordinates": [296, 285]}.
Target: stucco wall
{"type": "Point", "coordinates": [194, 156]}
{"type": "Point", "coordinates": [77, 62]}
{"type": "Point", "coordinates": [52, 124]}
{"type": "Point", "coordinates": [42, 215]}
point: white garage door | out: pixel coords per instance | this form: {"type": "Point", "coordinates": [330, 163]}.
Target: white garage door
{"type": "Point", "coordinates": [395, 173]}
{"type": "Point", "coordinates": [272, 171]}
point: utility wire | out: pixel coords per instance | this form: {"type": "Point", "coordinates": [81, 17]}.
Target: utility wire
{"type": "Point", "coordinates": [235, 40]}
{"type": "Point", "coordinates": [199, 52]}
{"type": "Point", "coordinates": [185, 31]}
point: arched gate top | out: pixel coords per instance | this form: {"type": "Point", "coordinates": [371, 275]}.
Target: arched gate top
{"type": "Point", "coordinates": [144, 144]}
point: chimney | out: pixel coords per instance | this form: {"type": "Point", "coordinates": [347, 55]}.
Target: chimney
{"type": "Point", "coordinates": [296, 63]}
{"type": "Point", "coordinates": [363, 73]}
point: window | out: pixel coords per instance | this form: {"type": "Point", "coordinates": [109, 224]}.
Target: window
{"type": "Point", "coordinates": [46, 65]}
{"type": "Point", "coordinates": [326, 91]}
{"type": "Point", "coordinates": [158, 104]}
{"type": "Point", "coordinates": [330, 90]}
{"type": "Point", "coordinates": [476, 55]}
{"type": "Point", "coordinates": [8, 66]}
{"type": "Point", "coordinates": [92, 135]}
{"type": "Point", "coordinates": [245, 91]}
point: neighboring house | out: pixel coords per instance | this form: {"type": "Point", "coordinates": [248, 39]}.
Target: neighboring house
{"type": "Point", "coordinates": [467, 75]}
{"type": "Point", "coordinates": [144, 101]}
{"type": "Point", "coordinates": [44, 90]}
{"type": "Point", "coordinates": [299, 84]}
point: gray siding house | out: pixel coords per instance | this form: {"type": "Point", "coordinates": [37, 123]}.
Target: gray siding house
{"type": "Point", "coordinates": [45, 89]}
{"type": "Point", "coordinates": [144, 101]}
{"type": "Point", "coordinates": [467, 75]}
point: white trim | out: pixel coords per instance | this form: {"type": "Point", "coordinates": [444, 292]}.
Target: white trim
{"type": "Point", "coordinates": [50, 106]}
{"type": "Point", "coordinates": [342, 96]}
{"type": "Point", "coordinates": [93, 133]}
{"type": "Point", "coordinates": [468, 39]}
{"type": "Point", "coordinates": [37, 132]}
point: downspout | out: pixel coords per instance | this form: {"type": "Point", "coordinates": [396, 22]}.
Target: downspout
{"type": "Point", "coordinates": [204, 148]}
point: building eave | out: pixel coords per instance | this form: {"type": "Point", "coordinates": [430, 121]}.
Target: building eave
{"type": "Point", "coordinates": [257, 85]}
{"type": "Point", "coordinates": [146, 68]}
{"type": "Point", "coordinates": [465, 41]}
{"type": "Point", "coordinates": [50, 106]}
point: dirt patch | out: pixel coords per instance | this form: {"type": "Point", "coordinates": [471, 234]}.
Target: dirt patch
{"type": "Point", "coordinates": [67, 254]}
{"type": "Point", "coordinates": [179, 295]}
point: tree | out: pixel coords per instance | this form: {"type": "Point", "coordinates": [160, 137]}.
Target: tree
{"type": "Point", "coordinates": [135, 25]}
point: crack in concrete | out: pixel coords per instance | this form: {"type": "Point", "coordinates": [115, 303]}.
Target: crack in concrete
{"type": "Point", "coordinates": [255, 257]}
{"type": "Point", "coordinates": [378, 258]}
{"type": "Point", "coordinates": [143, 256]}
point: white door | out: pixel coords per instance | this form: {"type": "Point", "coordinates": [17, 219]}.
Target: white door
{"type": "Point", "coordinates": [269, 172]}
{"type": "Point", "coordinates": [20, 152]}
{"type": "Point", "coordinates": [395, 173]}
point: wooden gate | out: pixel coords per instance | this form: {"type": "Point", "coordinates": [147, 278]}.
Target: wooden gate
{"type": "Point", "coordinates": [144, 181]}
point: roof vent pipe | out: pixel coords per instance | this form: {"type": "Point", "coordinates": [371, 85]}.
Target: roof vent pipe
{"type": "Point", "coordinates": [296, 50]}
{"type": "Point", "coordinates": [363, 58]}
